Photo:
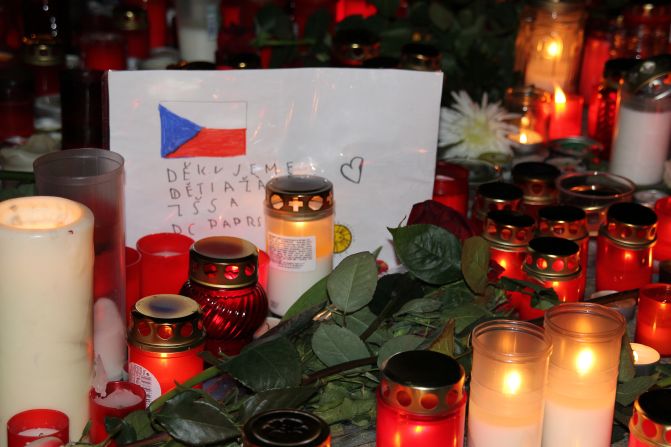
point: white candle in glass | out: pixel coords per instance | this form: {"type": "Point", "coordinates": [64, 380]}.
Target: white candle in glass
{"type": "Point", "coordinates": [46, 292]}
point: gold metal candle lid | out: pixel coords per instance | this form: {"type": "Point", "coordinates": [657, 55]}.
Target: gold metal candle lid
{"type": "Point", "coordinates": [420, 57]}
{"type": "Point", "coordinates": [284, 428]}
{"type": "Point", "coordinates": [652, 417]}
{"type": "Point", "coordinates": [630, 224]}
{"type": "Point", "coordinates": [537, 180]}
{"type": "Point", "coordinates": [552, 257]}
{"type": "Point", "coordinates": [43, 52]}
{"type": "Point", "coordinates": [131, 19]}
{"type": "Point", "coordinates": [223, 262]}
{"type": "Point", "coordinates": [422, 382]}
{"type": "Point", "coordinates": [651, 78]}
{"type": "Point", "coordinates": [496, 196]}
{"type": "Point", "coordinates": [565, 221]}
{"type": "Point", "coordinates": [304, 197]}
{"type": "Point", "coordinates": [509, 228]}
{"type": "Point", "coordinates": [353, 46]}
{"type": "Point", "coordinates": [166, 323]}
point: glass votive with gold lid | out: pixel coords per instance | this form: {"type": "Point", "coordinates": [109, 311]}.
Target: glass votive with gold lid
{"type": "Point", "coordinates": [537, 180]}
{"type": "Point", "coordinates": [567, 222]}
{"type": "Point", "coordinates": [508, 233]}
{"type": "Point", "coordinates": [494, 196]}
{"type": "Point", "coordinates": [420, 57]}
{"type": "Point", "coordinates": [650, 425]}
{"type": "Point", "coordinates": [353, 46]}
{"type": "Point", "coordinates": [286, 428]}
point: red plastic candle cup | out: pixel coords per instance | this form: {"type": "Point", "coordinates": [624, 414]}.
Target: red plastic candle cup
{"type": "Point", "coordinates": [31, 425]}
{"type": "Point", "coordinates": [508, 234]}
{"type": "Point", "coordinates": [421, 401]}
{"type": "Point", "coordinates": [650, 425]}
{"type": "Point", "coordinates": [662, 249]}
{"type": "Point", "coordinates": [653, 323]}
{"type": "Point", "coordinates": [120, 399]}
{"type": "Point", "coordinates": [595, 54]}
{"type": "Point", "coordinates": [165, 262]}
{"type": "Point", "coordinates": [450, 186]}
{"type": "Point", "coordinates": [156, 14]}
{"type": "Point", "coordinates": [494, 196]}
{"type": "Point", "coordinates": [566, 119]}
{"type": "Point", "coordinates": [132, 23]}
{"type": "Point", "coordinates": [103, 51]}
{"type": "Point", "coordinates": [133, 259]}
{"type": "Point", "coordinates": [624, 247]}
{"type": "Point", "coordinates": [164, 341]}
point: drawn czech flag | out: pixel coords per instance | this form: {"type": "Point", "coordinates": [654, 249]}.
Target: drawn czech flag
{"type": "Point", "coordinates": [203, 129]}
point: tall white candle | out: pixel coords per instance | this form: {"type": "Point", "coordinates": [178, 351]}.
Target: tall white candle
{"type": "Point", "coordinates": [46, 290]}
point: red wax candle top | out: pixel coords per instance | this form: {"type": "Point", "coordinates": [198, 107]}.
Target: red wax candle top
{"type": "Point", "coordinates": [31, 425]}
{"type": "Point", "coordinates": [566, 120]}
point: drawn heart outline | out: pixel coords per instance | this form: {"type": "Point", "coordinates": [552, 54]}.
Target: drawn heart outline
{"type": "Point", "coordinates": [352, 171]}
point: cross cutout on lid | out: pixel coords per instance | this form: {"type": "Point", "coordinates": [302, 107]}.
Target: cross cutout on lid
{"type": "Point", "coordinates": [295, 204]}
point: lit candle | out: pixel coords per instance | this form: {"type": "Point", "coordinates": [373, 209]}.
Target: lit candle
{"type": "Point", "coordinates": [525, 141]}
{"type": "Point", "coordinates": [594, 57]}
{"type": "Point", "coordinates": [510, 363]}
{"type": "Point", "coordinates": [299, 236]}
{"type": "Point", "coordinates": [653, 323]}
{"type": "Point", "coordinates": [508, 233]}
{"type": "Point", "coordinates": [31, 426]}
{"type": "Point", "coordinates": [645, 359]}
{"type": "Point", "coordinates": [567, 222]}
{"type": "Point", "coordinates": [450, 186]}
{"type": "Point", "coordinates": [650, 425]}
{"type": "Point", "coordinates": [566, 119]}
{"type": "Point", "coordinates": [537, 180]}
{"type": "Point", "coordinates": [46, 293]}
{"type": "Point", "coordinates": [662, 249]}
{"type": "Point", "coordinates": [582, 377]}
{"type": "Point", "coordinates": [493, 196]}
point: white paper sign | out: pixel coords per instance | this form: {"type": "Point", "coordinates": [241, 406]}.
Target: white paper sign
{"type": "Point", "coordinates": [200, 146]}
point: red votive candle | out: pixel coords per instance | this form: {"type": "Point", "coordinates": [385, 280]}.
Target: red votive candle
{"type": "Point", "coordinates": [508, 234]}
{"type": "Point", "coordinates": [566, 119]}
{"type": "Point", "coordinates": [103, 51]}
{"type": "Point", "coordinates": [567, 222]}
{"type": "Point", "coordinates": [156, 14]}
{"type": "Point", "coordinates": [554, 263]}
{"type": "Point", "coordinates": [164, 340]}
{"type": "Point", "coordinates": [662, 249]}
{"type": "Point", "coordinates": [119, 400]}
{"type": "Point", "coordinates": [421, 401]}
{"type": "Point", "coordinates": [624, 247]}
{"type": "Point", "coordinates": [596, 52]}
{"type": "Point", "coordinates": [165, 262]}
{"type": "Point", "coordinates": [494, 196]}
{"type": "Point", "coordinates": [133, 259]}
{"type": "Point", "coordinates": [132, 23]}
{"type": "Point", "coordinates": [650, 425]}
{"type": "Point", "coordinates": [537, 181]}
{"type": "Point", "coordinates": [653, 323]}
{"type": "Point", "coordinates": [450, 186]}
{"type": "Point", "coordinates": [31, 425]}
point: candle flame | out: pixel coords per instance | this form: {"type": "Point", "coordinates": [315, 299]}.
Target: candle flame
{"type": "Point", "coordinates": [523, 138]}
{"type": "Point", "coordinates": [553, 49]}
{"type": "Point", "coordinates": [635, 356]}
{"type": "Point", "coordinates": [584, 362]}
{"type": "Point", "coordinates": [524, 121]}
{"type": "Point", "coordinates": [512, 382]}
{"type": "Point", "coordinates": [560, 96]}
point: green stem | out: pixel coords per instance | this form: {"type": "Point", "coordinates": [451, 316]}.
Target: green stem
{"type": "Point", "coordinates": [335, 369]}
{"type": "Point", "coordinates": [158, 438]}
{"type": "Point", "coordinates": [664, 383]}
{"type": "Point", "coordinates": [207, 374]}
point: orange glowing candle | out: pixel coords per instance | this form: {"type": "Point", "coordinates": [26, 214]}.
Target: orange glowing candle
{"type": "Point", "coordinates": [566, 120]}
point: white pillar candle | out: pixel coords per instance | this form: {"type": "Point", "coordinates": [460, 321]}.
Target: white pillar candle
{"type": "Point", "coordinates": [46, 290]}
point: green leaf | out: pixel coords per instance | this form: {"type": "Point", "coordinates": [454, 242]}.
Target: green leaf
{"type": "Point", "coordinates": [627, 392]}
{"type": "Point", "coordinates": [358, 322]}
{"type": "Point", "coordinates": [626, 370]}
{"type": "Point", "coordinates": [444, 343]}
{"type": "Point", "coordinates": [466, 315]}
{"type": "Point", "coordinates": [140, 423]}
{"type": "Point", "coordinates": [352, 283]}
{"type": "Point", "coordinates": [267, 366]}
{"type": "Point", "coordinates": [440, 16]}
{"type": "Point", "coordinates": [396, 345]}
{"type": "Point", "coordinates": [393, 291]}
{"type": "Point", "coordinates": [429, 252]}
{"type": "Point", "coordinates": [275, 399]}
{"type": "Point", "coordinates": [386, 8]}
{"type": "Point", "coordinates": [349, 408]}
{"type": "Point", "coordinates": [191, 420]}
{"type": "Point", "coordinates": [314, 296]}
{"type": "Point", "coordinates": [452, 295]}
{"type": "Point", "coordinates": [419, 306]}
{"type": "Point", "coordinates": [333, 345]}
{"type": "Point", "coordinates": [475, 263]}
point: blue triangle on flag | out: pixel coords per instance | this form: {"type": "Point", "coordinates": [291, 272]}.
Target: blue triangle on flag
{"type": "Point", "coordinates": [175, 130]}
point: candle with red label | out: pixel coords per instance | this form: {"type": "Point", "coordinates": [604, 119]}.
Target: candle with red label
{"type": "Point", "coordinates": [31, 425]}
{"type": "Point", "coordinates": [421, 401]}
{"type": "Point", "coordinates": [508, 233]}
{"type": "Point", "coordinates": [653, 323]}
{"type": "Point", "coordinates": [566, 119]}
{"type": "Point", "coordinates": [119, 400]}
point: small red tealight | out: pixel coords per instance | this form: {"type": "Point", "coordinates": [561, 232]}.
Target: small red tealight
{"type": "Point", "coordinates": [566, 119]}
{"type": "Point", "coordinates": [32, 425]}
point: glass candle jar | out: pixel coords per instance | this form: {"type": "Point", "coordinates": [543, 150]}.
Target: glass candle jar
{"type": "Point", "coordinates": [299, 236]}
{"type": "Point", "coordinates": [286, 428]}
{"type": "Point", "coordinates": [508, 234]}
{"type": "Point", "coordinates": [653, 323]}
{"type": "Point", "coordinates": [662, 249]}
{"type": "Point", "coordinates": [420, 57]}
{"type": "Point", "coordinates": [164, 340]}
{"type": "Point", "coordinates": [223, 280]}
{"type": "Point", "coordinates": [554, 263]}
{"type": "Point", "coordinates": [549, 43]}
{"type": "Point", "coordinates": [132, 23]}
{"type": "Point", "coordinates": [624, 247]}
{"type": "Point", "coordinates": [421, 401]}
{"type": "Point", "coordinates": [537, 181]}
{"type": "Point", "coordinates": [582, 376]}
{"type": "Point", "coordinates": [643, 129]}
{"type": "Point", "coordinates": [494, 196]}
{"type": "Point", "coordinates": [103, 51]}
{"type": "Point", "coordinates": [532, 106]}
{"type": "Point", "coordinates": [31, 425]}
{"type": "Point", "coordinates": [197, 29]}
{"type": "Point", "coordinates": [646, 29]}
{"type": "Point", "coordinates": [353, 46]}
{"type": "Point", "coordinates": [450, 186]}
{"type": "Point", "coordinates": [46, 58]}
{"type": "Point", "coordinates": [650, 425]}
{"type": "Point", "coordinates": [567, 222]}
{"type": "Point", "coordinates": [510, 365]}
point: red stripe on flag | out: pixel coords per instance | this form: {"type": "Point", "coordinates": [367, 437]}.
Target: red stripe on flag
{"type": "Point", "coordinates": [214, 143]}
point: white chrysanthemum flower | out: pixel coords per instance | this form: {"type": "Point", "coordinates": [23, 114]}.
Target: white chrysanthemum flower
{"type": "Point", "coordinates": [469, 129]}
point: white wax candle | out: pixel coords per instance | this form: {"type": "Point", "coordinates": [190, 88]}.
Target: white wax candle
{"type": "Point", "coordinates": [640, 145]}
{"type": "Point", "coordinates": [46, 288]}
{"type": "Point", "coordinates": [118, 399]}
{"type": "Point", "coordinates": [197, 44]}
{"type": "Point", "coordinates": [38, 432]}
{"type": "Point", "coordinates": [488, 430]}
{"type": "Point", "coordinates": [571, 423]}
{"type": "Point", "coordinates": [109, 338]}
{"type": "Point", "coordinates": [285, 286]}
{"type": "Point", "coordinates": [49, 441]}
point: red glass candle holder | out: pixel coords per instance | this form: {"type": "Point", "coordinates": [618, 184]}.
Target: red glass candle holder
{"type": "Point", "coordinates": [508, 233]}
{"type": "Point", "coordinates": [165, 262]}
{"type": "Point", "coordinates": [653, 322]}
{"type": "Point", "coordinates": [285, 428]}
{"type": "Point", "coordinates": [421, 401]}
{"type": "Point", "coordinates": [46, 58]}
{"type": "Point", "coordinates": [650, 425]}
{"type": "Point", "coordinates": [103, 51]}
{"type": "Point", "coordinates": [566, 119]}
{"type": "Point", "coordinates": [31, 425]}
{"type": "Point", "coordinates": [494, 196]}
{"type": "Point", "coordinates": [537, 181]}
{"type": "Point", "coordinates": [554, 263]}
{"type": "Point", "coordinates": [132, 23]}
{"type": "Point", "coordinates": [223, 280]}
{"type": "Point", "coordinates": [567, 222]}
{"type": "Point", "coordinates": [133, 259]}
{"type": "Point", "coordinates": [662, 249]}
{"type": "Point", "coordinates": [450, 186]}
{"type": "Point", "coordinates": [596, 52]}
{"type": "Point", "coordinates": [164, 340]}
{"type": "Point", "coordinates": [120, 399]}
{"type": "Point", "coordinates": [156, 15]}
{"type": "Point", "coordinates": [624, 247]}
